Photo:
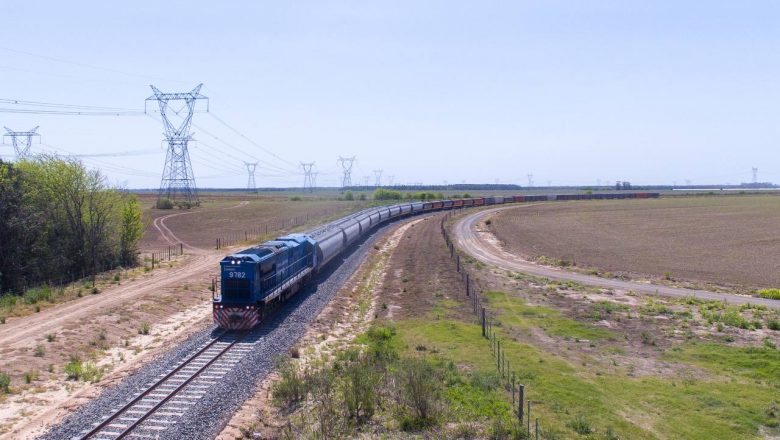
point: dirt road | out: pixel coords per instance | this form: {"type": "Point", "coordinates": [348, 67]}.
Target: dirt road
{"type": "Point", "coordinates": [483, 246]}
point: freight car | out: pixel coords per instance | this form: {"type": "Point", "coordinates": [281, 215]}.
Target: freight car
{"type": "Point", "coordinates": [256, 279]}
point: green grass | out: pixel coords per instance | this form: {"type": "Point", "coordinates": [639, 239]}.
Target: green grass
{"type": "Point", "coordinates": [514, 312]}
{"type": "Point", "coordinates": [635, 408]}
{"type": "Point", "coordinates": [769, 293]}
{"type": "Point", "coordinates": [756, 363]}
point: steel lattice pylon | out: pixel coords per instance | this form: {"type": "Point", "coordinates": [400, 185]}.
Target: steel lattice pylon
{"type": "Point", "coordinates": [251, 185]}
{"type": "Point", "coordinates": [346, 165]}
{"type": "Point", "coordinates": [21, 141]}
{"type": "Point", "coordinates": [178, 179]}
{"type": "Point", "coordinates": [308, 179]}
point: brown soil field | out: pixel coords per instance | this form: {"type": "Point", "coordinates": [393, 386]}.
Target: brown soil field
{"type": "Point", "coordinates": [234, 214]}
{"type": "Point", "coordinates": [730, 241]}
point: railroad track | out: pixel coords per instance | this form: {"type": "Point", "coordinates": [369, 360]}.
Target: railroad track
{"type": "Point", "coordinates": [165, 400]}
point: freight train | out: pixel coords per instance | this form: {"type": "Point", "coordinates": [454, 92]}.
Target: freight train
{"type": "Point", "coordinates": [256, 279]}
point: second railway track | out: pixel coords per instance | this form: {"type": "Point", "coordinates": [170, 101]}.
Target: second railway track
{"type": "Point", "coordinates": [166, 399]}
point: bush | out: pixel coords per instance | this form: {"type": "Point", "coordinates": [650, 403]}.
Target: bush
{"type": "Point", "coordinates": [349, 196]}
{"type": "Point", "coordinates": [362, 197]}
{"type": "Point", "coordinates": [773, 324]}
{"type": "Point", "coordinates": [77, 370]}
{"type": "Point", "coordinates": [39, 350]}
{"type": "Point", "coordinates": [420, 389]}
{"type": "Point", "coordinates": [769, 293]}
{"type": "Point", "coordinates": [295, 199]}
{"type": "Point", "coordinates": [145, 328]}
{"type": "Point", "coordinates": [2, 319]}
{"type": "Point", "coordinates": [164, 203]}
{"type": "Point", "coordinates": [360, 389]}
{"type": "Point", "coordinates": [387, 194]}
{"type": "Point", "coordinates": [580, 425]}
{"type": "Point", "coordinates": [5, 383]}
{"type": "Point", "coordinates": [291, 386]}
{"type": "Point", "coordinates": [74, 368]}
{"type": "Point", "coordinates": [30, 376]}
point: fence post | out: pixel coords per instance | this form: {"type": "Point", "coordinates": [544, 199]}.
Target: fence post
{"type": "Point", "coordinates": [181, 248]}
{"type": "Point", "coordinates": [498, 355]}
{"type": "Point", "coordinates": [458, 262]}
{"type": "Point", "coordinates": [528, 418]}
{"type": "Point", "coordinates": [520, 402]}
{"type": "Point", "coordinates": [513, 388]}
{"type": "Point", "coordinates": [536, 429]}
{"type": "Point", "coordinates": [483, 322]}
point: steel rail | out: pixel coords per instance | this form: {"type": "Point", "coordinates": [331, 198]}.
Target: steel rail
{"type": "Point", "coordinates": [102, 425]}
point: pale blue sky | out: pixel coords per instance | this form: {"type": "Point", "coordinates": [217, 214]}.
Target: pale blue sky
{"type": "Point", "coordinates": [571, 91]}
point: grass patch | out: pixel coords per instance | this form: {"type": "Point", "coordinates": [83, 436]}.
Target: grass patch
{"type": "Point", "coordinates": [757, 363]}
{"type": "Point", "coordinates": [769, 293]}
{"type": "Point", "coordinates": [515, 312]}
{"type": "Point", "coordinates": [624, 407]}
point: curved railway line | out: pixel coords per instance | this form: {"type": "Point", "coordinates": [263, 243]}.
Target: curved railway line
{"type": "Point", "coordinates": [478, 246]}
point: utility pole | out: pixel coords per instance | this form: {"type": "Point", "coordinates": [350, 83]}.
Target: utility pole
{"type": "Point", "coordinates": [378, 176]}
{"type": "Point", "coordinates": [251, 186]}
{"type": "Point", "coordinates": [530, 180]}
{"type": "Point", "coordinates": [346, 165]}
{"type": "Point", "coordinates": [178, 179]}
{"type": "Point", "coordinates": [755, 175]}
{"type": "Point", "coordinates": [308, 180]}
{"type": "Point", "coordinates": [21, 141]}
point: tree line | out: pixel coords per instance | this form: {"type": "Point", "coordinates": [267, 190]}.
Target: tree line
{"type": "Point", "coordinates": [60, 222]}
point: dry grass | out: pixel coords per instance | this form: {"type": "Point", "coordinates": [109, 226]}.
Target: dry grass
{"type": "Point", "coordinates": [722, 240]}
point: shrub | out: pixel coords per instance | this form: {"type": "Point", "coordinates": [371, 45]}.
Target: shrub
{"type": "Point", "coordinates": [30, 376]}
{"type": "Point", "coordinates": [420, 389]}
{"type": "Point", "coordinates": [51, 337]}
{"type": "Point", "coordinates": [145, 328]}
{"type": "Point", "coordinates": [773, 324]}
{"type": "Point", "coordinates": [349, 196]}
{"type": "Point", "coordinates": [39, 350]}
{"type": "Point", "coordinates": [95, 290]}
{"type": "Point", "coordinates": [647, 339]}
{"type": "Point", "coordinates": [580, 425]}
{"type": "Point", "coordinates": [359, 389]}
{"type": "Point", "coordinates": [291, 386]}
{"type": "Point", "coordinates": [362, 197]}
{"type": "Point", "coordinates": [2, 319]}
{"type": "Point", "coordinates": [769, 293]}
{"type": "Point", "coordinates": [39, 294]}
{"type": "Point", "coordinates": [74, 368]}
{"type": "Point", "coordinates": [387, 194]}
{"type": "Point", "coordinates": [164, 203]}
{"type": "Point", "coordinates": [5, 383]}
{"type": "Point", "coordinates": [295, 199]}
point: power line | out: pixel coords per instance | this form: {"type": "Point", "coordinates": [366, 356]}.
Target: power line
{"type": "Point", "coordinates": [58, 105]}
{"type": "Point", "coordinates": [249, 140]}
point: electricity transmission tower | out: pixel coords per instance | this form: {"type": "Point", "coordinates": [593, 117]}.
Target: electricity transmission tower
{"type": "Point", "coordinates": [251, 185]}
{"type": "Point", "coordinates": [378, 176]}
{"type": "Point", "coordinates": [346, 165]}
{"type": "Point", "coordinates": [178, 179]}
{"type": "Point", "coordinates": [755, 175]}
{"type": "Point", "coordinates": [530, 180]}
{"type": "Point", "coordinates": [308, 180]}
{"type": "Point", "coordinates": [21, 141]}
{"type": "Point", "coordinates": [314, 179]}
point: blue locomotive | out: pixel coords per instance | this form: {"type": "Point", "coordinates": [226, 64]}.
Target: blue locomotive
{"type": "Point", "coordinates": [255, 279]}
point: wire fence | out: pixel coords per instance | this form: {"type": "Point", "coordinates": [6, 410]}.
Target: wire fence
{"type": "Point", "coordinates": [521, 404]}
{"type": "Point", "coordinates": [162, 253]}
